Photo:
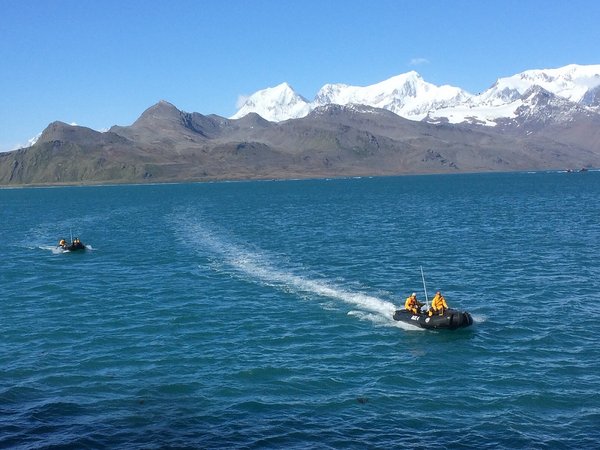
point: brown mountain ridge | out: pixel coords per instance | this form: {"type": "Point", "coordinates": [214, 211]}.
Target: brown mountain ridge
{"type": "Point", "coordinates": [168, 145]}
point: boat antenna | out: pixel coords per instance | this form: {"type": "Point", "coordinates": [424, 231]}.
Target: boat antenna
{"type": "Point", "coordinates": [71, 233]}
{"type": "Point", "coordinates": [424, 288]}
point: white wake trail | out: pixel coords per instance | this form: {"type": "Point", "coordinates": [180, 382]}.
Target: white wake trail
{"type": "Point", "coordinates": [253, 266]}
{"type": "Point", "coordinates": [256, 265]}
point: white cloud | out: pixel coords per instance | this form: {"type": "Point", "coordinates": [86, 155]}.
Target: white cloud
{"type": "Point", "coordinates": [34, 139]}
{"type": "Point", "coordinates": [418, 61]}
{"type": "Point", "coordinates": [20, 145]}
{"type": "Point", "coordinates": [241, 100]}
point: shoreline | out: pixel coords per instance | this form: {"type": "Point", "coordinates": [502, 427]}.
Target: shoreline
{"type": "Point", "coordinates": [295, 177]}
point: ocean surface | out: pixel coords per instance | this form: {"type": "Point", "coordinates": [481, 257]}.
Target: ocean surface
{"type": "Point", "coordinates": [259, 314]}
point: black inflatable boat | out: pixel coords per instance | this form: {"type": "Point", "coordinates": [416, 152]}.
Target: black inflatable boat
{"type": "Point", "coordinates": [76, 246]}
{"type": "Point", "coordinates": [451, 320]}
{"type": "Point", "coordinates": [72, 247]}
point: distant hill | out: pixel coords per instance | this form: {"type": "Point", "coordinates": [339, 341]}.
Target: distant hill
{"type": "Point", "coordinates": [543, 131]}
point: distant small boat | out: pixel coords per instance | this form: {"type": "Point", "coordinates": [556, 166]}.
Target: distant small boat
{"type": "Point", "coordinates": [451, 319]}
{"type": "Point", "coordinates": [76, 245]}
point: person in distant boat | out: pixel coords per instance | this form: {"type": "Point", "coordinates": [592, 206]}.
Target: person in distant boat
{"type": "Point", "coordinates": [62, 244]}
{"type": "Point", "coordinates": [438, 304]}
{"type": "Point", "coordinates": [412, 304]}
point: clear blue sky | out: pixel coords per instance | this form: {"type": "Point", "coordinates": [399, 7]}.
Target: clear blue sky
{"type": "Point", "coordinates": [101, 63]}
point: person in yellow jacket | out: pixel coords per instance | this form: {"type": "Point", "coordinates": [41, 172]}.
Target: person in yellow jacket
{"type": "Point", "coordinates": [438, 304]}
{"type": "Point", "coordinates": [412, 304]}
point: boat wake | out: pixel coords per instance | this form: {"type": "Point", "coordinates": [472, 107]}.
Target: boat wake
{"type": "Point", "coordinates": [50, 248]}
{"type": "Point", "coordinates": [57, 250]}
{"type": "Point", "coordinates": [479, 318]}
{"type": "Point", "coordinates": [258, 266]}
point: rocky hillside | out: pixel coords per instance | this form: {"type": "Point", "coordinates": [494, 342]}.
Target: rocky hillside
{"type": "Point", "coordinates": [166, 144]}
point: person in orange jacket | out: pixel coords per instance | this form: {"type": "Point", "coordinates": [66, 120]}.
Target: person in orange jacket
{"type": "Point", "coordinates": [438, 304]}
{"type": "Point", "coordinates": [412, 304]}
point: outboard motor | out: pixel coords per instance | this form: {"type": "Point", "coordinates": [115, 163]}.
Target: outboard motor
{"type": "Point", "coordinates": [460, 319]}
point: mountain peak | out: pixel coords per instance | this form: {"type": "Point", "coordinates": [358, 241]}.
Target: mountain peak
{"type": "Point", "coordinates": [61, 131]}
{"type": "Point", "coordinates": [283, 87]}
{"type": "Point", "coordinates": [163, 107]}
{"type": "Point", "coordinates": [394, 88]}
{"type": "Point", "coordinates": [571, 82]}
{"type": "Point", "coordinates": [408, 77]}
{"type": "Point", "coordinates": [161, 111]}
{"type": "Point", "coordinates": [275, 104]}
{"type": "Point", "coordinates": [55, 131]}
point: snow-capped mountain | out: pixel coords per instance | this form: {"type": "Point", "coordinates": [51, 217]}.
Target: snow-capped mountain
{"type": "Point", "coordinates": [275, 104]}
{"type": "Point", "coordinates": [571, 82]}
{"type": "Point", "coordinates": [407, 95]}
{"type": "Point", "coordinates": [411, 97]}
{"type": "Point", "coordinates": [505, 98]}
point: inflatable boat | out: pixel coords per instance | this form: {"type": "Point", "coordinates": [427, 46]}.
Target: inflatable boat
{"type": "Point", "coordinates": [451, 320]}
{"type": "Point", "coordinates": [72, 247]}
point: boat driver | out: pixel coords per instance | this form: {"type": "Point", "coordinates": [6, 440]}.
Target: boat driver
{"type": "Point", "coordinates": [412, 304]}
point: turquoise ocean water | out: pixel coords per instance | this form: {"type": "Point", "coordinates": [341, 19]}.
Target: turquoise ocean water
{"type": "Point", "coordinates": [259, 314]}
